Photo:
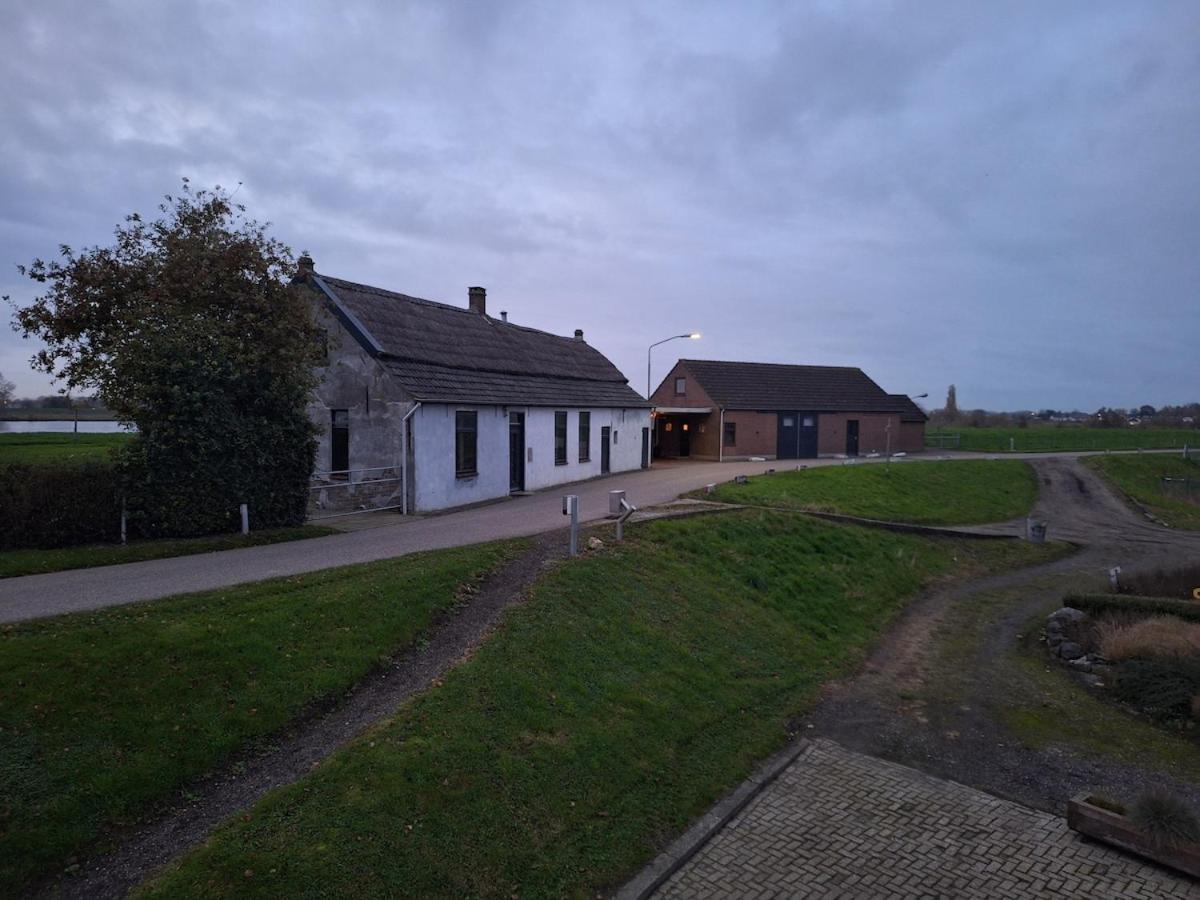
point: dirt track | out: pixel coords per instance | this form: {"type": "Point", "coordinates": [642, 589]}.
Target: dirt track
{"type": "Point", "coordinates": [877, 711]}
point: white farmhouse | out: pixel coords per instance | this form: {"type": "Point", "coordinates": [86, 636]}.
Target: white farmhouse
{"type": "Point", "coordinates": [424, 406]}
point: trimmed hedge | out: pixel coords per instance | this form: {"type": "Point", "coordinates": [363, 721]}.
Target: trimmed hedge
{"type": "Point", "coordinates": [46, 506]}
{"type": "Point", "coordinates": [1151, 606]}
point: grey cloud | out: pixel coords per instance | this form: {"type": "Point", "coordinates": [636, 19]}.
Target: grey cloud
{"type": "Point", "coordinates": [999, 196]}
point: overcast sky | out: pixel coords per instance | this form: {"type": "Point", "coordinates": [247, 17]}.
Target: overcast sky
{"type": "Point", "coordinates": [1005, 196]}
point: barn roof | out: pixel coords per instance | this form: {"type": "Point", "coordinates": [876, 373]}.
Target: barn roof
{"type": "Point", "coordinates": [442, 353]}
{"type": "Point", "coordinates": [772, 386]}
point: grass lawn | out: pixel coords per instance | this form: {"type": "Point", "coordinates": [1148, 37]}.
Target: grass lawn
{"type": "Point", "coordinates": [1046, 438]}
{"type": "Point", "coordinates": [1139, 477]}
{"type": "Point", "coordinates": [923, 493]}
{"type": "Point", "coordinates": [636, 686]}
{"type": "Point", "coordinates": [105, 714]}
{"type": "Point", "coordinates": [52, 447]}
{"type": "Point", "coordinates": [33, 562]}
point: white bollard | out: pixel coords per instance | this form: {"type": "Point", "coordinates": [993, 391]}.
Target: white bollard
{"type": "Point", "coordinates": [571, 508]}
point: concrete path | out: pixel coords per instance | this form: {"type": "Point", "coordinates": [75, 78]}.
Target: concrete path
{"type": "Point", "coordinates": [839, 824]}
{"type": "Point", "coordinates": [35, 596]}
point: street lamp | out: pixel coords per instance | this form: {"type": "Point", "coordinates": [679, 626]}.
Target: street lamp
{"type": "Point", "coordinates": [695, 335]}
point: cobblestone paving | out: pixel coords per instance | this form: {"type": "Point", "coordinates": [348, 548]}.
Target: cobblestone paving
{"type": "Point", "coordinates": [840, 824]}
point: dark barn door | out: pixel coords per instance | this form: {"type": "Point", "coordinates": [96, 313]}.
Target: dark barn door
{"type": "Point", "coordinates": [645, 448]}
{"type": "Point", "coordinates": [786, 446]}
{"type": "Point", "coordinates": [605, 435]}
{"type": "Point", "coordinates": [685, 440]}
{"type": "Point", "coordinates": [516, 451]}
{"type": "Point", "coordinates": [797, 436]}
{"type": "Point", "coordinates": [852, 437]}
{"type": "Point", "coordinates": [808, 436]}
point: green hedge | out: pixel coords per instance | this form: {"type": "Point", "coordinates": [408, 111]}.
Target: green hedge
{"type": "Point", "coordinates": [47, 506]}
{"type": "Point", "coordinates": [1104, 603]}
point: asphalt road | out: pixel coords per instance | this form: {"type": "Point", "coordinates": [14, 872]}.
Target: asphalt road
{"type": "Point", "coordinates": [36, 596]}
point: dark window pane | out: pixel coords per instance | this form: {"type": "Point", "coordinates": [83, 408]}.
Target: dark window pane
{"type": "Point", "coordinates": [585, 436]}
{"type": "Point", "coordinates": [730, 434]}
{"type": "Point", "coordinates": [339, 443]}
{"type": "Point", "coordinates": [465, 441]}
{"type": "Point", "coordinates": [560, 438]}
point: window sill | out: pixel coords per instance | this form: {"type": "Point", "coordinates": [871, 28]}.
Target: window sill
{"type": "Point", "coordinates": [562, 462]}
{"type": "Point", "coordinates": [585, 459]}
{"type": "Point", "coordinates": [465, 475]}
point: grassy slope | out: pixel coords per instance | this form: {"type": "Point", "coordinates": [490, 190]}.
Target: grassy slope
{"type": "Point", "coordinates": [925, 493]}
{"type": "Point", "coordinates": [104, 714]}
{"type": "Point", "coordinates": [32, 562]}
{"type": "Point", "coordinates": [1036, 439]}
{"type": "Point", "coordinates": [43, 447]}
{"type": "Point", "coordinates": [1138, 476]}
{"type": "Point", "coordinates": [636, 687]}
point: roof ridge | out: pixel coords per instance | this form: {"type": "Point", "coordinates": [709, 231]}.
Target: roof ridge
{"type": "Point", "coordinates": [732, 362]}
{"type": "Point", "coordinates": [392, 357]}
{"type": "Point", "coordinates": [384, 292]}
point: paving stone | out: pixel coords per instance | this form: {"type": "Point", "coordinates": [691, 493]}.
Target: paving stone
{"type": "Point", "coordinates": [839, 824]}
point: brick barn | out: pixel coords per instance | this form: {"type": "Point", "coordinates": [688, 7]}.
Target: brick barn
{"type": "Point", "coordinates": [705, 409]}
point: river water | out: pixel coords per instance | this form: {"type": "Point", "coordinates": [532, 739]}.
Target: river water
{"type": "Point", "coordinates": [62, 425]}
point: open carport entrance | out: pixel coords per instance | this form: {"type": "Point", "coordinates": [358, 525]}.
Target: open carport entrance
{"type": "Point", "coordinates": [680, 432]}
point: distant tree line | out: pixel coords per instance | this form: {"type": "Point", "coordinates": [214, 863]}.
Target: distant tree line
{"type": "Point", "coordinates": [1145, 416]}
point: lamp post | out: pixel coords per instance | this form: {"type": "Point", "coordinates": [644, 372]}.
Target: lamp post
{"type": "Point", "coordinates": [695, 335]}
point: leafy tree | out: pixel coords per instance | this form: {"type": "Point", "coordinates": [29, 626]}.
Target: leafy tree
{"type": "Point", "coordinates": [186, 328]}
{"type": "Point", "coordinates": [6, 390]}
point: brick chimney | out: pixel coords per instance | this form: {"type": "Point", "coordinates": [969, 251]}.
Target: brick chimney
{"type": "Point", "coordinates": [477, 300]}
{"type": "Point", "coordinates": [304, 267]}
{"type": "Point", "coordinates": [579, 334]}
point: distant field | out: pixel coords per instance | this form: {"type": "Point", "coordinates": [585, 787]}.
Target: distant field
{"type": "Point", "coordinates": [39, 447]}
{"type": "Point", "coordinates": [923, 493]}
{"type": "Point", "coordinates": [1140, 477]}
{"type": "Point", "coordinates": [1047, 438]}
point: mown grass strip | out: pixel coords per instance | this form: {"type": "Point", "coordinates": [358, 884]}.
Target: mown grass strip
{"type": "Point", "coordinates": [921, 493]}
{"type": "Point", "coordinates": [1140, 477]}
{"type": "Point", "coordinates": [635, 687]}
{"type": "Point", "coordinates": [103, 715]}
{"type": "Point", "coordinates": [57, 447]}
{"type": "Point", "coordinates": [35, 562]}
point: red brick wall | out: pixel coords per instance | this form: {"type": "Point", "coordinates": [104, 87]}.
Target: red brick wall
{"type": "Point", "coordinates": [872, 434]}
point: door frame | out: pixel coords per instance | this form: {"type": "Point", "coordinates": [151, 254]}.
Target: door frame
{"type": "Point", "coordinates": [516, 419]}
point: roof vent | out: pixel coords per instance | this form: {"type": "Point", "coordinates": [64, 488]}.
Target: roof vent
{"type": "Point", "coordinates": [503, 315]}
{"type": "Point", "coordinates": [477, 300]}
{"type": "Point", "coordinates": [579, 334]}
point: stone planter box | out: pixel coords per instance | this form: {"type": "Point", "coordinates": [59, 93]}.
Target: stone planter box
{"type": "Point", "coordinates": [1102, 824]}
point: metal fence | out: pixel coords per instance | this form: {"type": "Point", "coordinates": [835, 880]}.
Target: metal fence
{"type": "Point", "coordinates": [1185, 489]}
{"type": "Point", "coordinates": [355, 491]}
{"type": "Point", "coordinates": [943, 440]}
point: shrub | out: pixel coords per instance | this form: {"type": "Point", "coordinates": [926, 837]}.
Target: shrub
{"type": "Point", "coordinates": [1098, 604]}
{"type": "Point", "coordinates": [1161, 686]}
{"type": "Point", "coordinates": [52, 505]}
{"type": "Point", "coordinates": [1156, 636]}
{"type": "Point", "coordinates": [1165, 818]}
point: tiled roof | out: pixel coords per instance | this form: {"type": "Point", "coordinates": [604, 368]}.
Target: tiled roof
{"type": "Point", "coordinates": [770, 386]}
{"type": "Point", "coordinates": [452, 354]}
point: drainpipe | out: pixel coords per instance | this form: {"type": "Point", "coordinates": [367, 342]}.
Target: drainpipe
{"type": "Point", "coordinates": [404, 458]}
{"type": "Point", "coordinates": [721, 438]}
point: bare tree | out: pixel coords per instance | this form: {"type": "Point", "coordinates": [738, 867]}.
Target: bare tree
{"type": "Point", "coordinates": [6, 390]}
